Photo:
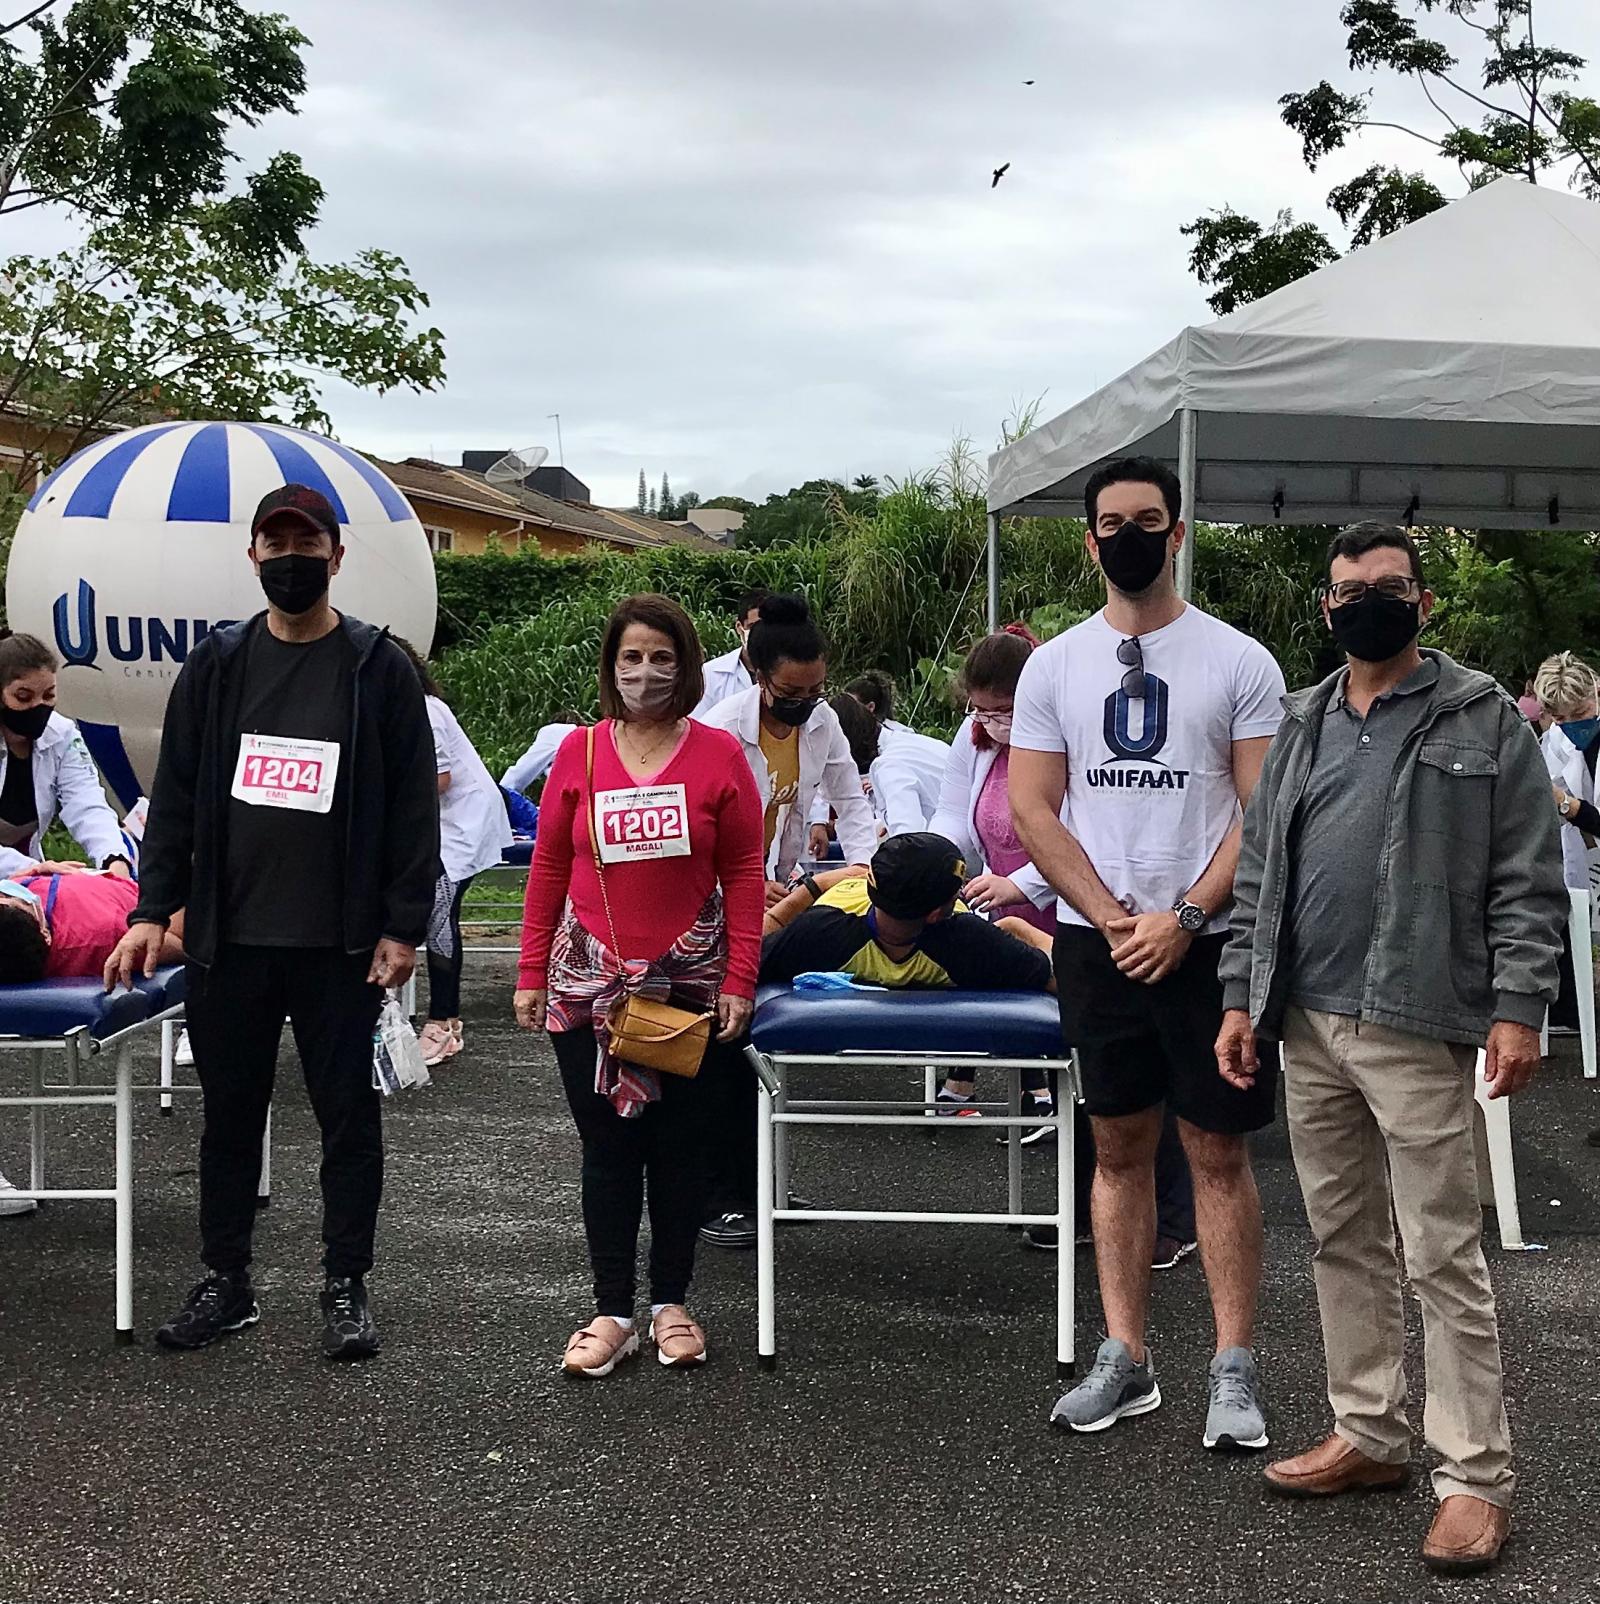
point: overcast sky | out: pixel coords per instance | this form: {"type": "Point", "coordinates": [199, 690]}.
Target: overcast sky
{"type": "Point", "coordinates": [750, 242]}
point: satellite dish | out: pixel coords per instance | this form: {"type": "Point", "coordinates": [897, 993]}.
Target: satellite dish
{"type": "Point", "coordinates": [515, 466]}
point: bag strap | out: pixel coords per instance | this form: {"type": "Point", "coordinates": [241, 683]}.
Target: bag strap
{"type": "Point", "coordinates": [594, 842]}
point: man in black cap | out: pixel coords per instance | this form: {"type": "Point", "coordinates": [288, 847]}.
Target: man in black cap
{"type": "Point", "coordinates": [899, 926]}
{"type": "Point", "coordinates": [295, 816]}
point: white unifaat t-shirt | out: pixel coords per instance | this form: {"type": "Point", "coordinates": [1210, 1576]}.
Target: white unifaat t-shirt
{"type": "Point", "coordinates": [1150, 792]}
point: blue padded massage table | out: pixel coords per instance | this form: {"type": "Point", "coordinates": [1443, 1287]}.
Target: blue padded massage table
{"type": "Point", "coordinates": [79, 1022]}
{"type": "Point", "coordinates": [937, 1032]}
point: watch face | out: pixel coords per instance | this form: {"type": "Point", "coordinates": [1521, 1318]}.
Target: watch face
{"type": "Point", "coordinates": [1191, 918]}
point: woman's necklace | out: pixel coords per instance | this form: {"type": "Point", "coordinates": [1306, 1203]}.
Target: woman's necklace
{"type": "Point", "coordinates": [643, 755]}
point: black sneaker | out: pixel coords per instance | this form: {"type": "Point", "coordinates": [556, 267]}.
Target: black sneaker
{"type": "Point", "coordinates": [1170, 1252]}
{"type": "Point", "coordinates": [218, 1305]}
{"type": "Point", "coordinates": [730, 1231]}
{"type": "Point", "coordinates": [1038, 1133]}
{"type": "Point", "coordinates": [1047, 1239]}
{"type": "Point", "coordinates": [349, 1331]}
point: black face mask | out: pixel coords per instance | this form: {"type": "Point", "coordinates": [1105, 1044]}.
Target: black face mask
{"type": "Point", "coordinates": [294, 584]}
{"type": "Point", "coordinates": [26, 721]}
{"type": "Point", "coordinates": [1375, 628]}
{"type": "Point", "coordinates": [1133, 558]}
{"type": "Point", "coordinates": [793, 710]}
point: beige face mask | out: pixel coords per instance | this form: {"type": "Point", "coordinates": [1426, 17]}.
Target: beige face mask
{"type": "Point", "coordinates": [646, 689]}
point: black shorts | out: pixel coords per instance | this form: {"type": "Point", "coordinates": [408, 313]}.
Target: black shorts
{"type": "Point", "coordinates": [1140, 1045]}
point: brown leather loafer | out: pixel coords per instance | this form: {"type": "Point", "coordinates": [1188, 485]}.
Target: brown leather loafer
{"type": "Point", "coordinates": [1332, 1467]}
{"type": "Point", "coordinates": [1467, 1535]}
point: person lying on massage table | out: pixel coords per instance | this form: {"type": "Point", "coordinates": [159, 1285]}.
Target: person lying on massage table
{"type": "Point", "coordinates": [55, 926]}
{"type": "Point", "coordinates": [898, 923]}
{"type": "Point", "coordinates": [59, 925]}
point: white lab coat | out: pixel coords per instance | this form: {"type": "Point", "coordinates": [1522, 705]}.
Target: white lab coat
{"type": "Point", "coordinates": [957, 814]}
{"type": "Point", "coordinates": [473, 828]}
{"type": "Point", "coordinates": [535, 763]}
{"type": "Point", "coordinates": [907, 778]}
{"type": "Point", "coordinates": [827, 772]}
{"type": "Point", "coordinates": [1569, 769]}
{"type": "Point", "coordinates": [726, 677]}
{"type": "Point", "coordinates": [65, 783]}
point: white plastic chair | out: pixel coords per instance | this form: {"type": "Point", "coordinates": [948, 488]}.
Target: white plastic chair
{"type": "Point", "coordinates": [1494, 1142]}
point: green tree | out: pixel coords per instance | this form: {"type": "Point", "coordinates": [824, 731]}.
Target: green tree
{"type": "Point", "coordinates": [642, 504]}
{"type": "Point", "coordinates": [666, 507]}
{"type": "Point", "coordinates": [687, 502]}
{"type": "Point", "coordinates": [865, 482]}
{"type": "Point", "coordinates": [808, 512]}
{"type": "Point", "coordinates": [730, 504]}
{"type": "Point", "coordinates": [652, 507]}
{"type": "Point", "coordinates": [131, 326]}
{"type": "Point", "coordinates": [120, 111]}
{"type": "Point", "coordinates": [1530, 120]}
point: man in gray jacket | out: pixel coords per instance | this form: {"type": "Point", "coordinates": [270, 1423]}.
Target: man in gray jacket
{"type": "Point", "coordinates": [1398, 905]}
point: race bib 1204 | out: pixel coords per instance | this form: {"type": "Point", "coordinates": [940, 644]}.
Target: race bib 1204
{"type": "Point", "coordinates": [276, 772]}
{"type": "Point", "coordinates": [650, 821]}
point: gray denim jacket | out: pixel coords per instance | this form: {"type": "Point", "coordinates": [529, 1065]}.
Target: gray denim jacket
{"type": "Point", "coordinates": [1468, 900]}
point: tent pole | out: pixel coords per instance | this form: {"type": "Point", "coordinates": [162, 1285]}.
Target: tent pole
{"type": "Point", "coordinates": [1186, 478]}
{"type": "Point", "coordinates": [994, 573]}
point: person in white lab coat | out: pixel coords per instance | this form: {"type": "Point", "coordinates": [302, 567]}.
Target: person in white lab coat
{"type": "Point", "coordinates": [974, 808]}
{"type": "Point", "coordinates": [728, 675]}
{"type": "Point", "coordinates": [473, 833]}
{"type": "Point", "coordinates": [792, 740]}
{"type": "Point", "coordinates": [45, 773]}
{"type": "Point", "coordinates": [1569, 693]}
{"type": "Point", "coordinates": [535, 763]}
{"type": "Point", "coordinates": [903, 772]}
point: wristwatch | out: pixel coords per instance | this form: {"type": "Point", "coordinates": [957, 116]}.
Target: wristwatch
{"type": "Point", "coordinates": [1191, 916]}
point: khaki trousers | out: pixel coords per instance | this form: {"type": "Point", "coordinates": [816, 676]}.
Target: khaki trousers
{"type": "Point", "coordinates": [1381, 1123]}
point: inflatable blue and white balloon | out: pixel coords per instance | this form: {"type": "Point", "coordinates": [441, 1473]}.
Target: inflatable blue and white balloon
{"type": "Point", "coordinates": [135, 548]}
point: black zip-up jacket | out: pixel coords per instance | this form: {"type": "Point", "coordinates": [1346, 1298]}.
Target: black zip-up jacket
{"type": "Point", "coordinates": [392, 823]}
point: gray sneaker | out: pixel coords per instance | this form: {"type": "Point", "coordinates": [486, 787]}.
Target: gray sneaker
{"type": "Point", "coordinates": [1114, 1387]}
{"type": "Point", "coordinates": [1234, 1419]}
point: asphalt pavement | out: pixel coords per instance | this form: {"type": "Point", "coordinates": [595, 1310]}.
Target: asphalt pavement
{"type": "Point", "coordinates": [900, 1451]}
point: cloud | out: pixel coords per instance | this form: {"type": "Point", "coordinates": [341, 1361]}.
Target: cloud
{"type": "Point", "coordinates": [750, 241]}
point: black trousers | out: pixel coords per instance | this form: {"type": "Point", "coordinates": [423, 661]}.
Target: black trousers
{"type": "Point", "coordinates": [731, 1140]}
{"type": "Point", "coordinates": [235, 1012]}
{"type": "Point", "coordinates": [445, 952]}
{"type": "Point", "coordinates": [662, 1153]}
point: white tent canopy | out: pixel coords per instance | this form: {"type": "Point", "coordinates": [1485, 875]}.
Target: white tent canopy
{"type": "Point", "coordinates": [1446, 374]}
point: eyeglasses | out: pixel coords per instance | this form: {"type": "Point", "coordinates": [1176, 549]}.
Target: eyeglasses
{"type": "Point", "coordinates": [1131, 654]}
{"type": "Point", "coordinates": [1394, 586]}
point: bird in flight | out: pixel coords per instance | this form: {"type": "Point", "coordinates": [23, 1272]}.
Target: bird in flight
{"type": "Point", "coordinates": [1027, 81]}
{"type": "Point", "coordinates": [999, 173]}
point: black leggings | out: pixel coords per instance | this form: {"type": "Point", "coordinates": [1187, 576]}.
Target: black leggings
{"type": "Point", "coordinates": [444, 950]}
{"type": "Point", "coordinates": [664, 1147]}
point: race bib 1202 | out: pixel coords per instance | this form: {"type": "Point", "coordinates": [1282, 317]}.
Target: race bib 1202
{"type": "Point", "coordinates": [650, 821]}
{"type": "Point", "coordinates": [276, 772]}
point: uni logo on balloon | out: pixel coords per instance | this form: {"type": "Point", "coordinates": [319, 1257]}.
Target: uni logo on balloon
{"type": "Point", "coordinates": [134, 550]}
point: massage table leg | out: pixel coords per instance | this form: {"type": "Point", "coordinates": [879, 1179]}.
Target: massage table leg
{"type": "Point", "coordinates": [780, 1142]}
{"type": "Point", "coordinates": [168, 1047]}
{"type": "Point", "coordinates": [36, 1126]}
{"type": "Point", "coordinates": [264, 1184]}
{"type": "Point", "coordinates": [1014, 1143]}
{"type": "Point", "coordinates": [766, 1314]}
{"type": "Point", "coordinates": [1067, 1230]}
{"type": "Point", "coordinates": [124, 1190]}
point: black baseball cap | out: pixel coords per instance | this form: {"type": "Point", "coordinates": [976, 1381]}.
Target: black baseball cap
{"type": "Point", "coordinates": [912, 876]}
{"type": "Point", "coordinates": [310, 506]}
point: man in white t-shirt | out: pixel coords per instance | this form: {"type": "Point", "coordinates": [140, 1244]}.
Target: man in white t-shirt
{"type": "Point", "coordinates": [1137, 737]}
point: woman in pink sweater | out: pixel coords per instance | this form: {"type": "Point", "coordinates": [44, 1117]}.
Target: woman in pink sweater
{"type": "Point", "coordinates": [676, 917]}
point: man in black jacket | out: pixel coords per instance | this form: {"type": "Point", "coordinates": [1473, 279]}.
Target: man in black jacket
{"type": "Point", "coordinates": [295, 817]}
